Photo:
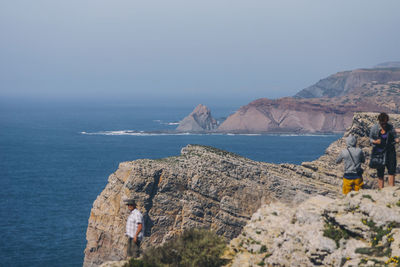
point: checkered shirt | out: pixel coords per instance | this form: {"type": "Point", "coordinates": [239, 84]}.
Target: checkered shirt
{"type": "Point", "coordinates": [131, 224]}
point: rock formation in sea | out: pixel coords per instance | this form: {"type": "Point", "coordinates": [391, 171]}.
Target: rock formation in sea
{"type": "Point", "coordinates": [343, 83]}
{"type": "Point", "coordinates": [200, 120]}
{"type": "Point", "coordinates": [211, 188]}
{"type": "Point", "coordinates": [361, 229]}
{"type": "Point", "coordinates": [313, 115]}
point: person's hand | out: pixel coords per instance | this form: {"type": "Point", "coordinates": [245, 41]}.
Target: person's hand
{"type": "Point", "coordinates": [135, 240]}
{"type": "Point", "coordinates": [397, 140]}
{"type": "Point", "coordinates": [377, 142]}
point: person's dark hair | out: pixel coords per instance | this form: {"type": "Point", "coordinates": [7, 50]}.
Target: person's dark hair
{"type": "Point", "coordinates": [383, 117]}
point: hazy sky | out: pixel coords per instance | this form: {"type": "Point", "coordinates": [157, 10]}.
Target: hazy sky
{"type": "Point", "coordinates": [194, 51]}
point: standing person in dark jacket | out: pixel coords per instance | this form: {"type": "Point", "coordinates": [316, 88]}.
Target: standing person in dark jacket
{"type": "Point", "coordinates": [383, 136]}
{"type": "Point", "coordinates": [353, 157]}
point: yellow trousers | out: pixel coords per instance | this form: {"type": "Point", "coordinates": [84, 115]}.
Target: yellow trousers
{"type": "Point", "coordinates": [352, 184]}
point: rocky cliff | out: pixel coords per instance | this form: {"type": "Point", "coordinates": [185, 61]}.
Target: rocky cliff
{"type": "Point", "coordinates": [314, 115]}
{"type": "Point", "coordinates": [343, 83]}
{"type": "Point", "coordinates": [288, 115]}
{"type": "Point", "coordinates": [361, 229]}
{"type": "Point", "coordinates": [200, 120]}
{"type": "Point", "coordinates": [207, 187]}
{"type": "Point", "coordinates": [203, 187]}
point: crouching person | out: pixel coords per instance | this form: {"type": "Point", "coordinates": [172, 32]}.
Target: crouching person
{"type": "Point", "coordinates": [134, 229]}
{"type": "Point", "coordinates": [352, 157]}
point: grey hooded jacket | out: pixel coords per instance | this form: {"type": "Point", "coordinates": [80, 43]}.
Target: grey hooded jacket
{"type": "Point", "coordinates": [351, 167]}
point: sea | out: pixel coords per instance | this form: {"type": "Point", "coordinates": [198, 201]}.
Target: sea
{"type": "Point", "coordinates": [55, 160]}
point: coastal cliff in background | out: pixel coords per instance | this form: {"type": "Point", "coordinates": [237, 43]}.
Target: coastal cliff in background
{"type": "Point", "coordinates": [288, 115]}
{"type": "Point", "coordinates": [390, 64]}
{"type": "Point", "coordinates": [200, 120]}
{"type": "Point", "coordinates": [207, 187]}
{"type": "Point", "coordinates": [331, 108]}
{"type": "Point", "coordinates": [343, 83]}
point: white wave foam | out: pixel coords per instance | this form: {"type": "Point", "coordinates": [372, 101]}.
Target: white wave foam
{"type": "Point", "coordinates": [295, 135]}
{"type": "Point", "coordinates": [143, 133]}
{"type": "Point", "coordinates": [166, 123]}
{"type": "Point", "coordinates": [135, 133]}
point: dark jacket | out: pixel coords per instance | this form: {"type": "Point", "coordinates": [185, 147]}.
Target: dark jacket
{"type": "Point", "coordinates": [374, 135]}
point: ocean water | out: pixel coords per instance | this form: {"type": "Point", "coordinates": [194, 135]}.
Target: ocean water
{"type": "Point", "coordinates": [55, 160]}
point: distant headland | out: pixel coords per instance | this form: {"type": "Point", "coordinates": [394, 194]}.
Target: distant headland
{"type": "Point", "coordinates": [325, 107]}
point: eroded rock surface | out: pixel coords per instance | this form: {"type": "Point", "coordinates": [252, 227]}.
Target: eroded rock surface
{"type": "Point", "coordinates": [361, 229]}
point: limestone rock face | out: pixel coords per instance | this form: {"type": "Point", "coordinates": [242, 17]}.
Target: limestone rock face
{"type": "Point", "coordinates": [199, 120]}
{"type": "Point", "coordinates": [203, 187]}
{"type": "Point", "coordinates": [343, 83]}
{"type": "Point", "coordinates": [361, 229]}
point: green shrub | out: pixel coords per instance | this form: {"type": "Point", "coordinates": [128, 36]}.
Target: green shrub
{"type": "Point", "coordinates": [263, 249]}
{"type": "Point", "coordinates": [378, 251]}
{"type": "Point", "coordinates": [379, 232]}
{"type": "Point", "coordinates": [369, 197]}
{"type": "Point", "coordinates": [137, 263]}
{"type": "Point", "coordinates": [336, 233]}
{"type": "Point", "coordinates": [194, 248]}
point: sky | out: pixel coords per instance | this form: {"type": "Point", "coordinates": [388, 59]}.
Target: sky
{"type": "Point", "coordinates": [184, 51]}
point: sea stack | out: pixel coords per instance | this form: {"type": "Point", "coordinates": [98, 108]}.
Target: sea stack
{"type": "Point", "coordinates": [200, 120]}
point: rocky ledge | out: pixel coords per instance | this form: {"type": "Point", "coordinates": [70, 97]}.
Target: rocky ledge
{"type": "Point", "coordinates": [209, 188]}
{"type": "Point", "coordinates": [361, 229]}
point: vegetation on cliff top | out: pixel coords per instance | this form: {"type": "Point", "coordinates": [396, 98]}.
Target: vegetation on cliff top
{"type": "Point", "coordinates": [195, 247]}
